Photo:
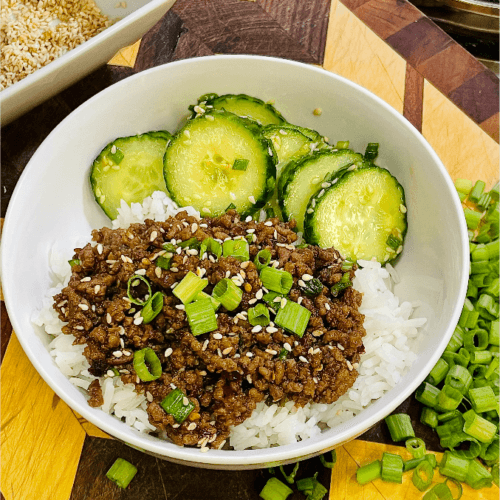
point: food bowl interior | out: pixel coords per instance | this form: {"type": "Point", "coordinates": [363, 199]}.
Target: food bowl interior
{"type": "Point", "coordinates": [53, 206]}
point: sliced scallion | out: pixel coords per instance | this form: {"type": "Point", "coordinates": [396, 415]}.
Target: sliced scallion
{"type": "Point", "coordinates": [274, 489]}
{"type": "Point", "coordinates": [478, 476]}
{"type": "Point", "coordinates": [290, 479]}
{"type": "Point", "coordinates": [133, 282]}
{"type": "Point", "coordinates": [329, 465]}
{"type": "Point", "coordinates": [371, 151]}
{"type": "Point", "coordinates": [259, 315]}
{"type": "Point", "coordinates": [262, 259]}
{"type": "Point", "coordinates": [400, 427]}
{"type": "Point", "coordinates": [152, 307]}
{"type": "Point", "coordinates": [392, 468]}
{"type": "Point", "coordinates": [369, 472]}
{"type": "Point", "coordinates": [189, 287]}
{"type": "Point", "coordinates": [416, 447]}
{"type": "Point", "coordinates": [448, 398]}
{"type": "Point", "coordinates": [429, 417]}
{"type": "Point", "coordinates": [75, 262]}
{"type": "Point", "coordinates": [192, 243]}
{"type": "Point", "coordinates": [121, 472]}
{"type": "Point", "coordinates": [438, 373]}
{"type": "Point", "coordinates": [142, 359]}
{"type": "Point", "coordinates": [178, 405]}
{"type": "Point", "coordinates": [236, 248]}
{"type": "Point", "coordinates": [276, 280]}
{"type": "Point", "coordinates": [210, 245]}
{"type": "Point", "coordinates": [425, 468]}
{"type": "Point", "coordinates": [459, 378]}
{"type": "Point", "coordinates": [117, 156]}
{"type": "Point", "coordinates": [164, 262]}
{"type": "Point", "coordinates": [453, 466]}
{"type": "Point", "coordinates": [228, 294]}
{"type": "Point", "coordinates": [345, 282]}
{"type": "Point", "coordinates": [439, 491]}
{"type": "Point", "coordinates": [483, 399]}
{"type": "Point", "coordinates": [293, 318]}
{"type": "Point", "coordinates": [203, 295]}
{"type": "Point", "coordinates": [478, 427]}
{"type": "Point", "coordinates": [201, 316]}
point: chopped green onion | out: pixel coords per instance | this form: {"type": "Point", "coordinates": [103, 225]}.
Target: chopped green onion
{"type": "Point", "coordinates": [134, 281]}
{"type": "Point", "coordinates": [121, 472]}
{"type": "Point", "coordinates": [463, 186]}
{"type": "Point", "coordinates": [237, 249]}
{"type": "Point", "coordinates": [427, 394]}
{"type": "Point", "coordinates": [416, 447]}
{"type": "Point", "coordinates": [178, 405]}
{"type": "Point", "coordinates": [478, 476]}
{"type": "Point", "coordinates": [201, 316]}
{"type": "Point", "coordinates": [276, 280]}
{"type": "Point", "coordinates": [449, 415]}
{"type": "Point", "coordinates": [476, 340]}
{"type": "Point", "coordinates": [477, 191]}
{"type": "Point", "coordinates": [342, 145]}
{"type": "Point", "coordinates": [189, 287]}
{"type": "Point", "coordinates": [392, 468]}
{"type": "Point", "coordinates": [439, 491]}
{"type": "Point", "coordinates": [152, 307]}
{"type": "Point", "coordinates": [240, 164]}
{"type": "Point", "coordinates": [478, 427]}
{"type": "Point", "coordinates": [369, 472]}
{"type": "Point", "coordinates": [293, 318]}
{"type": "Point", "coordinates": [472, 218]}
{"type": "Point", "coordinates": [490, 451]}
{"type": "Point", "coordinates": [448, 398]}
{"type": "Point", "coordinates": [453, 466]}
{"type": "Point", "coordinates": [456, 341]}
{"type": "Point", "coordinates": [75, 262]}
{"type": "Point", "coordinates": [347, 265]}
{"type": "Point", "coordinates": [417, 479]}
{"type": "Point", "coordinates": [345, 282]}
{"type": "Point", "coordinates": [259, 315]}
{"type": "Point", "coordinates": [283, 354]}
{"type": "Point", "coordinates": [481, 357]}
{"type": "Point", "coordinates": [459, 439]}
{"type": "Point", "coordinates": [169, 247]}
{"type": "Point", "coordinates": [492, 368]}
{"type": "Point", "coordinates": [371, 151]}
{"type": "Point", "coordinates": [142, 359]}
{"type": "Point", "coordinates": [262, 259]}
{"type": "Point", "coordinates": [393, 242]}
{"type": "Point", "coordinates": [477, 371]}
{"type": "Point", "coordinates": [438, 373]}
{"type": "Point", "coordinates": [413, 462]}
{"type": "Point", "coordinates": [163, 262]}
{"type": "Point", "coordinates": [429, 417]}
{"type": "Point", "coordinates": [312, 488]}
{"type": "Point", "coordinates": [269, 299]}
{"type": "Point", "coordinates": [494, 192]}
{"type": "Point", "coordinates": [494, 472]}
{"type": "Point", "coordinates": [458, 485]}
{"type": "Point", "coordinates": [117, 156]}
{"type": "Point", "coordinates": [459, 378]}
{"type": "Point", "coordinates": [329, 465]}
{"type": "Point", "coordinates": [400, 427]}
{"type": "Point", "coordinates": [228, 294]}
{"type": "Point", "coordinates": [210, 245]}
{"type": "Point", "coordinates": [193, 243]}
{"type": "Point", "coordinates": [472, 290]}
{"type": "Point", "coordinates": [274, 489]}
{"type": "Point", "coordinates": [291, 478]}
{"type": "Point", "coordinates": [483, 399]}
{"type": "Point", "coordinates": [203, 295]}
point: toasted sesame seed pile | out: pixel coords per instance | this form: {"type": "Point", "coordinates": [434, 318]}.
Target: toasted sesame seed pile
{"type": "Point", "coordinates": [33, 34]}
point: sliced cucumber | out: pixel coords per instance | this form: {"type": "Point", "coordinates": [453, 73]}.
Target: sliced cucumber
{"type": "Point", "coordinates": [198, 164]}
{"type": "Point", "coordinates": [362, 215]}
{"type": "Point", "coordinates": [130, 169]}
{"type": "Point", "coordinates": [309, 132]}
{"type": "Point", "coordinates": [243, 105]}
{"type": "Point", "coordinates": [301, 178]}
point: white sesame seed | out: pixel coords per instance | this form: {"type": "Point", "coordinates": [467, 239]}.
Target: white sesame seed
{"type": "Point", "coordinates": [327, 306]}
{"type": "Point", "coordinates": [141, 272]}
{"type": "Point", "coordinates": [402, 209]}
{"type": "Point", "coordinates": [252, 301]}
{"type": "Point", "coordinates": [118, 354]}
{"type": "Point", "coordinates": [84, 280]}
{"type": "Point", "coordinates": [341, 347]}
{"type": "Point", "coordinates": [205, 345]}
{"type": "Point", "coordinates": [127, 353]}
{"type": "Point", "coordinates": [348, 363]}
{"type": "Point", "coordinates": [138, 321]}
{"type": "Point", "coordinates": [271, 329]}
{"type": "Point", "coordinates": [97, 288]}
{"type": "Point", "coordinates": [268, 223]}
{"type": "Point", "coordinates": [287, 347]}
{"type": "Point", "coordinates": [251, 199]}
{"type": "Point", "coordinates": [315, 380]}
{"type": "Point", "coordinates": [109, 319]}
{"type": "Point", "coordinates": [299, 300]}
{"type": "Point", "coordinates": [227, 350]}
{"type": "Point", "coordinates": [304, 360]}
{"type": "Point", "coordinates": [217, 336]}
{"type": "Point", "coordinates": [149, 396]}
{"type": "Point", "coordinates": [259, 294]}
{"type": "Point", "coordinates": [204, 449]}
{"type": "Point", "coordinates": [180, 307]}
{"type": "Point", "coordinates": [307, 277]}
{"type": "Point", "coordinates": [83, 307]}
{"type": "Point", "coordinates": [256, 328]}
{"type": "Point", "coordinates": [250, 231]}
{"type": "Point", "coordinates": [158, 272]}
{"type": "Point", "coordinates": [301, 283]}
{"type": "Point", "coordinates": [283, 302]}
{"type": "Point", "coordinates": [110, 373]}
{"type": "Point", "coordinates": [249, 354]}
{"type": "Point", "coordinates": [78, 327]}
{"type": "Point", "coordinates": [185, 401]}
{"type": "Point", "coordinates": [174, 269]}
{"type": "Point", "coordinates": [99, 249]}
{"type": "Point", "coordinates": [317, 333]}
{"type": "Point", "coordinates": [168, 352]}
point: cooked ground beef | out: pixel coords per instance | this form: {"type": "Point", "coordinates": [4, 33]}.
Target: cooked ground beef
{"type": "Point", "coordinates": [224, 373]}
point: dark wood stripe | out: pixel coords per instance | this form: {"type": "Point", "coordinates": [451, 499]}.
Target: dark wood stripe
{"type": "Point", "coordinates": [414, 96]}
{"type": "Point", "coordinates": [6, 331]}
{"type": "Point", "coordinates": [236, 27]}
{"type": "Point", "coordinates": [478, 96]}
{"type": "Point", "coordinates": [306, 22]}
{"type": "Point", "coordinates": [450, 68]}
{"type": "Point", "coordinates": [419, 41]}
{"type": "Point", "coordinates": [354, 4]}
{"type": "Point", "coordinates": [491, 126]}
{"type": "Point", "coordinates": [387, 17]}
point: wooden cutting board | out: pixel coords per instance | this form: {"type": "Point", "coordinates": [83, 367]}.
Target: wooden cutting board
{"type": "Point", "coordinates": [389, 47]}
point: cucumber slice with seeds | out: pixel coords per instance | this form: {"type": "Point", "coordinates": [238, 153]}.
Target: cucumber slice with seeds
{"type": "Point", "coordinates": [362, 215]}
{"type": "Point", "coordinates": [245, 106]}
{"type": "Point", "coordinates": [129, 168]}
{"type": "Point", "coordinates": [303, 177]}
{"type": "Point", "coordinates": [198, 164]}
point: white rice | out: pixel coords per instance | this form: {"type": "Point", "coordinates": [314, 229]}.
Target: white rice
{"type": "Point", "coordinates": [389, 334]}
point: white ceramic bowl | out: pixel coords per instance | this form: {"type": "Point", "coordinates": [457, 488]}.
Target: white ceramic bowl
{"type": "Point", "coordinates": [53, 204]}
{"type": "Point", "coordinates": [135, 19]}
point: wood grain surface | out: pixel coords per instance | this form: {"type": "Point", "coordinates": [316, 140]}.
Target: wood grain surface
{"type": "Point", "coordinates": [387, 46]}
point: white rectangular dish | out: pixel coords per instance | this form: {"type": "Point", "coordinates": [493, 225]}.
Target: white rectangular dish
{"type": "Point", "coordinates": [137, 17]}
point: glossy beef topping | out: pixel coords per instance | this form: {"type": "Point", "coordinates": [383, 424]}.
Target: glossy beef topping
{"type": "Point", "coordinates": [224, 373]}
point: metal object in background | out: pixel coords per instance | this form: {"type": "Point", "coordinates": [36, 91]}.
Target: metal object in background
{"type": "Point", "coordinates": [472, 23]}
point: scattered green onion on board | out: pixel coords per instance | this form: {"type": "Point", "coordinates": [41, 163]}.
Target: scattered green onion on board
{"type": "Point", "coordinates": [121, 472]}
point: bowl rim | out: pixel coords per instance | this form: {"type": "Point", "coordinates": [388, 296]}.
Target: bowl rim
{"type": "Point", "coordinates": [247, 458]}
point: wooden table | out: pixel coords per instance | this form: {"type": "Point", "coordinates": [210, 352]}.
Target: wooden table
{"type": "Point", "coordinates": [389, 47]}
